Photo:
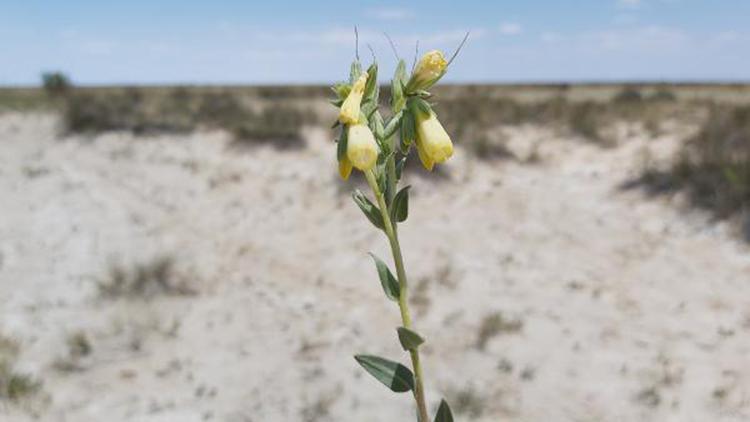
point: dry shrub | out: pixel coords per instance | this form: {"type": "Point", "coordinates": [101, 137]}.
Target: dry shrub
{"type": "Point", "coordinates": [628, 95]}
{"type": "Point", "coordinates": [663, 94]}
{"type": "Point", "coordinates": [586, 120]}
{"type": "Point", "coordinates": [277, 125]}
{"type": "Point", "coordinates": [716, 164]}
{"type": "Point", "coordinates": [714, 168]}
{"type": "Point", "coordinates": [183, 109]}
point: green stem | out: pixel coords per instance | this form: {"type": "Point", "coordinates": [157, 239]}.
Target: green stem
{"type": "Point", "coordinates": [403, 302]}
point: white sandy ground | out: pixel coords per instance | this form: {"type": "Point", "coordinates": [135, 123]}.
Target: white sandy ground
{"type": "Point", "coordinates": [633, 309]}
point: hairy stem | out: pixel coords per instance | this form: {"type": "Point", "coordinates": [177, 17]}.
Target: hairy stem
{"type": "Point", "coordinates": [403, 302]}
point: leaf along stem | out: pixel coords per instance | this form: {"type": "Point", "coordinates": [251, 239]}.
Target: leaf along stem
{"type": "Point", "coordinates": [403, 302]}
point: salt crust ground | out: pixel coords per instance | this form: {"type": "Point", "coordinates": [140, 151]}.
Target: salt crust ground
{"type": "Point", "coordinates": [633, 309]}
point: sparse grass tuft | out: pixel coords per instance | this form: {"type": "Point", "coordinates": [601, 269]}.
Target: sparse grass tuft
{"type": "Point", "coordinates": [14, 386]}
{"type": "Point", "coordinates": [495, 324]}
{"type": "Point", "coordinates": [144, 280]}
{"type": "Point", "coordinates": [468, 402]}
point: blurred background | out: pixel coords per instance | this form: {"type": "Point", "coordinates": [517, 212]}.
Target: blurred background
{"type": "Point", "coordinates": [176, 245]}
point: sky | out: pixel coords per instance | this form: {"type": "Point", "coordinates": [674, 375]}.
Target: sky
{"type": "Point", "coordinates": [278, 42]}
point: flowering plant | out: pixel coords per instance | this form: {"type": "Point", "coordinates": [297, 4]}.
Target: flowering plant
{"type": "Point", "coordinates": [380, 149]}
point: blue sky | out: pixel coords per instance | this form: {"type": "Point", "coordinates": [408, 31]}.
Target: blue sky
{"type": "Point", "coordinates": [272, 42]}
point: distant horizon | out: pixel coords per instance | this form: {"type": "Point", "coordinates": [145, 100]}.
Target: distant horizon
{"type": "Point", "coordinates": [551, 83]}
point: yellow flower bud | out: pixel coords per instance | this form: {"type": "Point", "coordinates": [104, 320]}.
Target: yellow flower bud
{"type": "Point", "coordinates": [349, 113]}
{"type": "Point", "coordinates": [345, 168]}
{"type": "Point", "coordinates": [361, 150]}
{"type": "Point", "coordinates": [433, 143]}
{"type": "Point", "coordinates": [430, 68]}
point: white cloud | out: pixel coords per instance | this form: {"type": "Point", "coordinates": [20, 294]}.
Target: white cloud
{"type": "Point", "coordinates": [390, 14]}
{"type": "Point", "coordinates": [510, 28]}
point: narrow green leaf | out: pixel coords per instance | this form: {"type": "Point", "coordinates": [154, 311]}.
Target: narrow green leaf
{"type": "Point", "coordinates": [397, 87]}
{"type": "Point", "coordinates": [382, 177]}
{"type": "Point", "coordinates": [364, 114]}
{"type": "Point", "coordinates": [392, 125]}
{"type": "Point", "coordinates": [400, 167]}
{"type": "Point", "coordinates": [418, 104]}
{"type": "Point", "coordinates": [393, 375]}
{"type": "Point", "coordinates": [408, 131]}
{"type": "Point", "coordinates": [409, 339]}
{"type": "Point", "coordinates": [371, 211]}
{"type": "Point", "coordinates": [376, 125]}
{"type": "Point", "coordinates": [372, 83]}
{"type": "Point", "coordinates": [400, 207]}
{"type": "Point", "coordinates": [342, 144]}
{"type": "Point", "coordinates": [387, 280]}
{"type": "Point", "coordinates": [444, 413]}
{"type": "Point", "coordinates": [355, 71]}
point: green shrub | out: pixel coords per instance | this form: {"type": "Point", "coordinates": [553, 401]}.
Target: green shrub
{"type": "Point", "coordinates": [56, 83]}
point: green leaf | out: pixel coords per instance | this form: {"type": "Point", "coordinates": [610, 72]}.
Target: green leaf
{"type": "Point", "coordinates": [409, 339]}
{"type": "Point", "coordinates": [400, 207]}
{"type": "Point", "coordinates": [342, 144]}
{"type": "Point", "coordinates": [387, 280]}
{"type": "Point", "coordinates": [419, 105]}
{"type": "Point", "coordinates": [444, 413]}
{"type": "Point", "coordinates": [393, 375]}
{"type": "Point", "coordinates": [371, 88]}
{"type": "Point", "coordinates": [341, 90]}
{"type": "Point", "coordinates": [371, 211]}
{"type": "Point", "coordinates": [408, 131]}
{"type": "Point", "coordinates": [355, 71]}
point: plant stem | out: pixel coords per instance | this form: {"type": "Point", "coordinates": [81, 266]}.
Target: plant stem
{"type": "Point", "coordinates": [403, 302]}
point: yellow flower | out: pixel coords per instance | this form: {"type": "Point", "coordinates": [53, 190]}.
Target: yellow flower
{"type": "Point", "coordinates": [361, 150]}
{"type": "Point", "coordinates": [429, 69]}
{"type": "Point", "coordinates": [345, 168]}
{"type": "Point", "coordinates": [434, 146]}
{"type": "Point", "coordinates": [349, 113]}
